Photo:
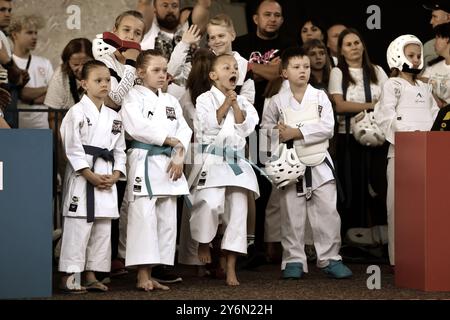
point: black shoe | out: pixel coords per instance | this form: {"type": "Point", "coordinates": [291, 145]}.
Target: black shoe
{"type": "Point", "coordinates": [163, 275]}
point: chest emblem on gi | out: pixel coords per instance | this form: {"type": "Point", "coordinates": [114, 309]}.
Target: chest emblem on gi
{"type": "Point", "coordinates": [116, 127]}
{"type": "Point", "coordinates": [88, 122]}
{"type": "Point", "coordinates": [320, 108]}
{"type": "Point", "coordinates": [138, 179]}
{"type": "Point", "coordinates": [170, 113]}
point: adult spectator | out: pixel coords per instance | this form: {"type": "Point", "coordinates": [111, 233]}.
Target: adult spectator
{"type": "Point", "coordinates": [262, 49]}
{"type": "Point", "coordinates": [311, 28]}
{"type": "Point", "coordinates": [440, 13]}
{"type": "Point", "coordinates": [439, 73]}
{"type": "Point", "coordinates": [171, 22]}
{"type": "Point", "coordinates": [355, 85]}
{"type": "Point", "coordinates": [333, 33]}
{"type": "Point", "coordinates": [64, 89]}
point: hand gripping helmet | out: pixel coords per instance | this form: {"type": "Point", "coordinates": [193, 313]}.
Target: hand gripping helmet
{"type": "Point", "coordinates": [366, 131]}
{"type": "Point", "coordinates": [286, 169]}
{"type": "Point", "coordinates": [396, 54]}
{"type": "Point", "coordinates": [100, 48]}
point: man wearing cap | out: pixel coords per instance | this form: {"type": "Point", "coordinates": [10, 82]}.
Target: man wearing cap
{"type": "Point", "coordinates": [440, 13]}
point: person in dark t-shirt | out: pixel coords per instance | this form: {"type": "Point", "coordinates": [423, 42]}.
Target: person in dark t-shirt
{"type": "Point", "coordinates": [264, 47]}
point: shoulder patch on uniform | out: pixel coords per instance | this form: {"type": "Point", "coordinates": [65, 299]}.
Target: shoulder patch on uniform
{"type": "Point", "coordinates": [170, 113]}
{"type": "Point", "coordinates": [116, 127]}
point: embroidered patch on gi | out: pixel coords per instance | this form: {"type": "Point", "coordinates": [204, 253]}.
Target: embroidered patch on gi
{"type": "Point", "coordinates": [170, 113]}
{"type": "Point", "coordinates": [74, 205]}
{"type": "Point", "coordinates": [320, 108]}
{"type": "Point", "coordinates": [137, 188]}
{"type": "Point", "coordinates": [89, 122]}
{"type": "Point", "coordinates": [138, 179]}
{"type": "Point", "coordinates": [116, 127]}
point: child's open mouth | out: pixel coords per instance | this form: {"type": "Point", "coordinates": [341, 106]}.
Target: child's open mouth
{"type": "Point", "coordinates": [233, 80]}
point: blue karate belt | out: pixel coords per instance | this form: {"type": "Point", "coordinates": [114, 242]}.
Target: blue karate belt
{"type": "Point", "coordinates": [95, 152]}
{"type": "Point", "coordinates": [152, 150]}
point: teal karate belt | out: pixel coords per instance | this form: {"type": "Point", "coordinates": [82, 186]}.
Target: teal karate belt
{"type": "Point", "coordinates": [152, 150]}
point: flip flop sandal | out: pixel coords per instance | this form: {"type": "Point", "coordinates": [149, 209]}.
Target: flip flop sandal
{"type": "Point", "coordinates": [75, 290]}
{"type": "Point", "coordinates": [96, 286]}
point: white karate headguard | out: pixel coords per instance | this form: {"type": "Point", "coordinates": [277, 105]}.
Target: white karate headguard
{"type": "Point", "coordinates": [396, 54]}
{"type": "Point", "coordinates": [286, 169]}
{"type": "Point", "coordinates": [366, 131]}
{"type": "Point", "coordinates": [100, 48]}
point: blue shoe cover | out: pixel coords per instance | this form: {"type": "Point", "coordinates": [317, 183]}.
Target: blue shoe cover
{"type": "Point", "coordinates": [293, 270]}
{"type": "Point", "coordinates": [337, 270]}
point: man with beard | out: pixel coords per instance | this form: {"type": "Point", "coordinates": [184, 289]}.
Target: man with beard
{"type": "Point", "coordinates": [171, 22]}
{"type": "Point", "coordinates": [263, 49]}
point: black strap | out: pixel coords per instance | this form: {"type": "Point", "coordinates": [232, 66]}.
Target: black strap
{"type": "Point", "coordinates": [115, 75]}
{"type": "Point", "coordinates": [348, 160]}
{"type": "Point", "coordinates": [308, 181]}
{"type": "Point", "coordinates": [28, 63]}
{"type": "Point", "coordinates": [367, 92]}
{"type": "Point", "coordinates": [96, 152]}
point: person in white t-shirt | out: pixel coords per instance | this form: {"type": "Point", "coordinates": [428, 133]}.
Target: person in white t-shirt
{"type": "Point", "coordinates": [439, 73]}
{"type": "Point", "coordinates": [24, 31]}
{"type": "Point", "coordinates": [360, 168]}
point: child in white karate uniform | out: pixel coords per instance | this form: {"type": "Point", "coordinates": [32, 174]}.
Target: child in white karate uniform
{"type": "Point", "coordinates": [94, 144]}
{"type": "Point", "coordinates": [406, 104]}
{"type": "Point", "coordinates": [161, 137]}
{"type": "Point", "coordinates": [304, 116]}
{"type": "Point", "coordinates": [223, 180]}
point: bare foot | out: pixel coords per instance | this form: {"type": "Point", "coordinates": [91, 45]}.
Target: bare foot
{"type": "Point", "coordinates": [157, 285]}
{"type": "Point", "coordinates": [232, 279]}
{"type": "Point", "coordinates": [204, 253]}
{"type": "Point", "coordinates": [231, 270]}
{"type": "Point", "coordinates": [143, 280]}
